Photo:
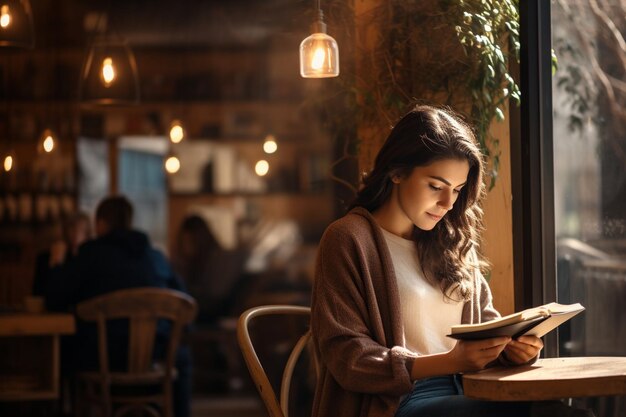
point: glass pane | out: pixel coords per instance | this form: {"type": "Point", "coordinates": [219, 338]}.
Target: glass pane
{"type": "Point", "coordinates": [589, 98]}
{"type": "Point", "coordinates": [142, 180]}
{"type": "Point", "coordinates": [93, 172]}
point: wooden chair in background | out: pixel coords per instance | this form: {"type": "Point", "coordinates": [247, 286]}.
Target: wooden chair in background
{"type": "Point", "coordinates": [276, 406]}
{"type": "Point", "coordinates": [143, 307]}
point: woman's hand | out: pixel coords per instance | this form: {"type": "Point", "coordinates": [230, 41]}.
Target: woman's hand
{"type": "Point", "coordinates": [465, 356]}
{"type": "Point", "coordinates": [523, 349]}
{"type": "Point", "coordinates": [474, 355]}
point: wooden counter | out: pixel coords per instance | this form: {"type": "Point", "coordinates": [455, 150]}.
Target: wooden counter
{"type": "Point", "coordinates": [27, 324]}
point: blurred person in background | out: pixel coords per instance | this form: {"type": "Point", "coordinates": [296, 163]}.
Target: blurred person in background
{"type": "Point", "coordinates": [210, 272]}
{"type": "Point", "coordinates": [75, 230]}
{"type": "Point", "coordinates": [118, 258]}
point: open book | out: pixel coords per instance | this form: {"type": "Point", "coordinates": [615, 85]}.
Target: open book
{"type": "Point", "coordinates": [536, 321]}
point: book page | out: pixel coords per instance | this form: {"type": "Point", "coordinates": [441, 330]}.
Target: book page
{"type": "Point", "coordinates": [531, 314]}
{"type": "Point", "coordinates": [511, 330]}
{"type": "Point", "coordinates": [559, 315]}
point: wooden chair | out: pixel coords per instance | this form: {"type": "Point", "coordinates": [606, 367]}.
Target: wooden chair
{"type": "Point", "coordinates": [143, 307]}
{"type": "Point", "coordinates": [275, 407]}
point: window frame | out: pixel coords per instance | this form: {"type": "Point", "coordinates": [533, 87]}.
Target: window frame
{"type": "Point", "coordinates": [532, 167]}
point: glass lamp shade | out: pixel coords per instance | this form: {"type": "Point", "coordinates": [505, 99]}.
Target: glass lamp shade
{"type": "Point", "coordinates": [109, 74]}
{"type": "Point", "coordinates": [319, 56]}
{"type": "Point", "coordinates": [16, 24]}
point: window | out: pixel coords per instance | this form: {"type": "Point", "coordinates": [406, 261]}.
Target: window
{"type": "Point", "coordinates": [140, 177]}
{"type": "Point", "coordinates": [569, 175]}
{"type": "Point", "coordinates": [590, 173]}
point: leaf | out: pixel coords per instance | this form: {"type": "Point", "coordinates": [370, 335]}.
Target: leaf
{"type": "Point", "coordinates": [487, 96]}
{"type": "Point", "coordinates": [555, 62]}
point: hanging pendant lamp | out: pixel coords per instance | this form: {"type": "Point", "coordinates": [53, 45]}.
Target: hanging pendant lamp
{"type": "Point", "coordinates": [109, 75]}
{"type": "Point", "coordinates": [8, 161]}
{"type": "Point", "coordinates": [177, 131]}
{"type": "Point", "coordinates": [47, 141]}
{"type": "Point", "coordinates": [16, 24]}
{"type": "Point", "coordinates": [319, 53]}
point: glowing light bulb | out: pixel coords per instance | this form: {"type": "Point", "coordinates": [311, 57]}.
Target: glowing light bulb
{"type": "Point", "coordinates": [319, 56]}
{"type": "Point", "coordinates": [262, 167]}
{"type": "Point", "coordinates": [48, 143]}
{"type": "Point", "coordinates": [172, 164]}
{"type": "Point", "coordinates": [5, 16]}
{"type": "Point", "coordinates": [270, 146]}
{"type": "Point", "coordinates": [8, 163]}
{"type": "Point", "coordinates": [108, 73]}
{"type": "Point", "coordinates": [177, 133]}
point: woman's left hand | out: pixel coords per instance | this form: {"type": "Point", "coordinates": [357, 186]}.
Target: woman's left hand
{"type": "Point", "coordinates": [523, 349]}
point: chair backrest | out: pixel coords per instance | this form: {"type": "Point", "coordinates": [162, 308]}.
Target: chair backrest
{"type": "Point", "coordinates": [143, 307]}
{"type": "Point", "coordinates": [275, 407]}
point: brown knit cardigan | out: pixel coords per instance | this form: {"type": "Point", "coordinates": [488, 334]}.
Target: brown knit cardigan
{"type": "Point", "coordinates": [356, 322]}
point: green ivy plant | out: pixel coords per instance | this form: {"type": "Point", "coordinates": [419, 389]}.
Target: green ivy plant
{"type": "Point", "coordinates": [416, 57]}
{"type": "Point", "coordinates": [489, 33]}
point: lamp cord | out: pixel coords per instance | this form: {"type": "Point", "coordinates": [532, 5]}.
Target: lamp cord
{"type": "Point", "coordinates": [7, 101]}
{"type": "Point", "coordinates": [319, 14]}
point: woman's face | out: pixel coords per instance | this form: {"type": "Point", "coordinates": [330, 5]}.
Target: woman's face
{"type": "Point", "coordinates": [425, 195]}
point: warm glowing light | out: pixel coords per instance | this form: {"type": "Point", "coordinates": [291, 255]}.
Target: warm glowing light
{"type": "Point", "coordinates": [262, 167]}
{"type": "Point", "coordinates": [8, 163]}
{"type": "Point", "coordinates": [177, 133]}
{"type": "Point", "coordinates": [172, 164]}
{"type": "Point", "coordinates": [48, 143]}
{"type": "Point", "coordinates": [108, 71]}
{"type": "Point", "coordinates": [270, 145]}
{"type": "Point", "coordinates": [5, 16]}
{"type": "Point", "coordinates": [319, 56]}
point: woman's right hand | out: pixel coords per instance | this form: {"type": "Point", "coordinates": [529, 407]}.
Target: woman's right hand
{"type": "Point", "coordinates": [474, 355]}
{"type": "Point", "coordinates": [466, 355]}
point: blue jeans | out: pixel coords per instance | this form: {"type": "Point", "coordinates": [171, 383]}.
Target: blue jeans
{"type": "Point", "coordinates": [443, 397]}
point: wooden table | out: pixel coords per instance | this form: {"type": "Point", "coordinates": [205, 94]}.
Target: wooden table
{"type": "Point", "coordinates": [30, 354]}
{"type": "Point", "coordinates": [549, 379]}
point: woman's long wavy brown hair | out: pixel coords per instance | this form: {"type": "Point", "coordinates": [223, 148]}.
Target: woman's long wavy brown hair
{"type": "Point", "coordinates": [449, 252]}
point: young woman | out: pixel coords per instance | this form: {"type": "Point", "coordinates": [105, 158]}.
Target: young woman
{"type": "Point", "coordinates": [396, 272]}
